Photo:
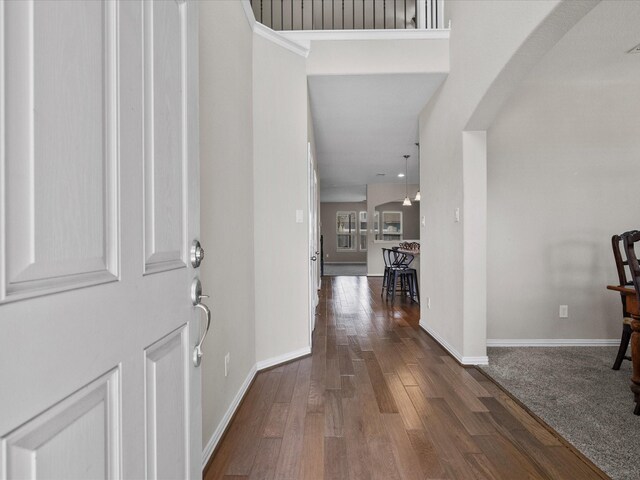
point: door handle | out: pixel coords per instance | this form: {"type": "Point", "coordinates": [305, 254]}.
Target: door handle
{"type": "Point", "coordinates": [197, 350]}
{"type": "Point", "coordinates": [314, 258]}
{"type": "Point", "coordinates": [317, 253]}
{"type": "Point", "coordinates": [196, 300]}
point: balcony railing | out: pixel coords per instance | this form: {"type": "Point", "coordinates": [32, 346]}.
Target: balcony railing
{"type": "Point", "coordinates": [350, 14]}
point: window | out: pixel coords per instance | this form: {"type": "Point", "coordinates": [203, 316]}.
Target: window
{"type": "Point", "coordinates": [346, 228]}
{"type": "Point", "coordinates": [362, 226]}
{"type": "Point", "coordinates": [376, 224]}
{"type": "Point", "coordinates": [391, 225]}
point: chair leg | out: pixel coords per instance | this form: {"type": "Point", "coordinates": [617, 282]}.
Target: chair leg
{"type": "Point", "coordinates": [636, 411]}
{"type": "Point", "coordinates": [384, 280]}
{"type": "Point", "coordinates": [388, 288]}
{"type": "Point", "coordinates": [394, 275]}
{"type": "Point", "coordinates": [624, 343]}
{"type": "Point", "coordinates": [415, 284]}
{"type": "Point", "coordinates": [410, 287]}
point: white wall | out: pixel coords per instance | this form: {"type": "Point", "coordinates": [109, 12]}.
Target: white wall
{"type": "Point", "coordinates": [484, 36]}
{"type": "Point", "coordinates": [350, 57]}
{"type": "Point", "coordinates": [562, 159]}
{"type": "Point", "coordinates": [226, 151]}
{"type": "Point", "coordinates": [280, 188]}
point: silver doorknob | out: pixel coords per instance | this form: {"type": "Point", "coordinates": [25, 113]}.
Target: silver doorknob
{"type": "Point", "coordinates": [197, 254]}
{"type": "Point", "coordinates": [314, 258]}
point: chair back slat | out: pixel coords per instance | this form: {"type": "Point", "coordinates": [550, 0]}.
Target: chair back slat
{"type": "Point", "coordinates": [629, 240]}
{"type": "Point", "coordinates": [617, 247]}
{"type": "Point", "coordinates": [389, 256]}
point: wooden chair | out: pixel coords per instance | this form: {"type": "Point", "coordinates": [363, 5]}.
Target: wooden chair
{"type": "Point", "coordinates": [616, 245]}
{"type": "Point", "coordinates": [630, 239]}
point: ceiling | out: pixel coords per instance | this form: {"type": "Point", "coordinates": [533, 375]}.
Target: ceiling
{"type": "Point", "coordinates": [363, 126]}
{"type": "Point", "coordinates": [594, 51]}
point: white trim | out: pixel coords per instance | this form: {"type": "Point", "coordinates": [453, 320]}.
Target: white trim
{"type": "Point", "coordinates": [271, 35]}
{"type": "Point", "coordinates": [222, 426]}
{"type": "Point", "coordinates": [552, 342]}
{"type": "Point", "coordinates": [454, 353]}
{"type": "Point", "coordinates": [305, 37]}
{"type": "Point", "coordinates": [475, 360]}
{"type": "Point", "coordinates": [279, 39]}
{"type": "Point", "coordinates": [270, 362]}
{"type": "Point", "coordinates": [248, 11]}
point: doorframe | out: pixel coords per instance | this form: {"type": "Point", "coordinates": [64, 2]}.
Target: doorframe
{"type": "Point", "coordinates": [312, 210]}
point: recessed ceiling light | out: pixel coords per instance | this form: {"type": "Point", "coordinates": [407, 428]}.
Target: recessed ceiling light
{"type": "Point", "coordinates": [401, 175]}
{"type": "Point", "coordinates": [635, 49]}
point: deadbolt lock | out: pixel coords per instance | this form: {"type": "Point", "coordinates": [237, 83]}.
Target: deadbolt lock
{"type": "Point", "coordinates": [197, 254]}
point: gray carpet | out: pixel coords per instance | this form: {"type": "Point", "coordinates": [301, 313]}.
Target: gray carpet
{"type": "Point", "coordinates": [575, 391]}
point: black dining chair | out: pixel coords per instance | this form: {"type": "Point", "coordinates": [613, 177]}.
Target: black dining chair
{"type": "Point", "coordinates": [407, 277]}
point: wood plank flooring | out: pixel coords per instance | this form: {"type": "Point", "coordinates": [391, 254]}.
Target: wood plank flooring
{"type": "Point", "coordinates": [379, 399]}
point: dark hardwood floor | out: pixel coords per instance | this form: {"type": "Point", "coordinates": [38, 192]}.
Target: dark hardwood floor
{"type": "Point", "coordinates": [380, 399]}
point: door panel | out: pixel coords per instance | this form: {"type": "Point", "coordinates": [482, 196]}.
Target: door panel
{"type": "Point", "coordinates": [60, 125]}
{"type": "Point", "coordinates": [165, 155]}
{"type": "Point", "coordinates": [99, 162]}
{"type": "Point", "coordinates": [87, 421]}
{"type": "Point", "coordinates": [167, 399]}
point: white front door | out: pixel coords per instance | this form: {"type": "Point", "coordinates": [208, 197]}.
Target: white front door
{"type": "Point", "coordinates": [99, 206]}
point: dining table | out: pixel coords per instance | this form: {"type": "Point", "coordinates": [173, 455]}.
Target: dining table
{"type": "Point", "coordinates": [633, 307]}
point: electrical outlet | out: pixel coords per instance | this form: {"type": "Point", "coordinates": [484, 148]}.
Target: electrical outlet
{"type": "Point", "coordinates": [428, 302]}
{"type": "Point", "coordinates": [227, 357]}
{"type": "Point", "coordinates": [564, 311]}
{"type": "Point", "coordinates": [456, 215]}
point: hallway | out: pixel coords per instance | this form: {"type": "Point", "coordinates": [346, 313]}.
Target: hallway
{"type": "Point", "coordinates": [380, 399]}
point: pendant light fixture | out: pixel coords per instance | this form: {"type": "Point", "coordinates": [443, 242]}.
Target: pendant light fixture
{"type": "Point", "coordinates": [407, 202]}
{"type": "Point", "coordinates": [417, 199]}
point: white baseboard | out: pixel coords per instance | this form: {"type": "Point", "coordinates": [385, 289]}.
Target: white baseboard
{"type": "Point", "coordinates": [222, 426]}
{"type": "Point", "coordinates": [552, 342]}
{"type": "Point", "coordinates": [270, 362]}
{"type": "Point", "coordinates": [449, 348]}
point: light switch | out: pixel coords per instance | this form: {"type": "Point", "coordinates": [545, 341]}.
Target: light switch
{"type": "Point", "coordinates": [457, 215]}
{"type": "Point", "coordinates": [423, 221]}
{"type": "Point", "coordinates": [299, 216]}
